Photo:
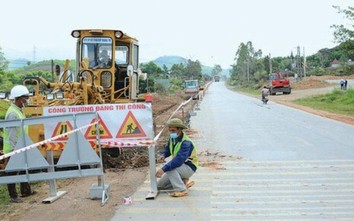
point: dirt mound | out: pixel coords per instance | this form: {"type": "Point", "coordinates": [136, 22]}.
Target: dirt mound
{"type": "Point", "coordinates": [317, 81]}
{"type": "Point", "coordinates": [332, 77]}
{"type": "Point", "coordinates": [310, 82]}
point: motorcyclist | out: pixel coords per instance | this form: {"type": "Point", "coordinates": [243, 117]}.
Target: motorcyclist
{"type": "Point", "coordinates": [265, 93]}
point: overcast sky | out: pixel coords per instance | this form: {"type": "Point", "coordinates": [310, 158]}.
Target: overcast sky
{"type": "Point", "coordinates": [206, 30]}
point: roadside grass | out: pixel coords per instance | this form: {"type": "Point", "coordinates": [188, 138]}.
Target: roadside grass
{"type": "Point", "coordinates": [4, 197]}
{"type": "Point", "coordinates": [338, 101]}
{"type": "Point", "coordinates": [248, 91]}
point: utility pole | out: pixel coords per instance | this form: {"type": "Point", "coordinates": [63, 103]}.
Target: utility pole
{"type": "Point", "coordinates": [270, 64]}
{"type": "Point", "coordinates": [304, 62]}
{"type": "Point", "coordinates": [34, 54]}
{"type": "Point", "coordinates": [298, 63]}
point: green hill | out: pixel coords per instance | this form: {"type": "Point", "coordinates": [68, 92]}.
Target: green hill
{"type": "Point", "coordinates": [171, 60]}
{"type": "Point", "coordinates": [43, 66]}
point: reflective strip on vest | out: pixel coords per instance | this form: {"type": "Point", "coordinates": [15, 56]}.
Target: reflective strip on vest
{"type": "Point", "coordinates": [7, 145]}
{"type": "Point", "coordinates": [193, 157]}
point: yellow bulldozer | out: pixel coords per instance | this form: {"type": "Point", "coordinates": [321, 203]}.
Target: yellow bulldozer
{"type": "Point", "coordinates": [107, 72]}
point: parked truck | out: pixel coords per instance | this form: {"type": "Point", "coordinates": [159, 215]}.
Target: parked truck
{"type": "Point", "coordinates": [279, 83]}
{"type": "Point", "coordinates": [191, 89]}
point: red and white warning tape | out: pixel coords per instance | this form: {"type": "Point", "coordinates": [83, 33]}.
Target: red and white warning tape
{"type": "Point", "coordinates": [44, 141]}
{"type": "Point", "coordinates": [179, 107]}
{"type": "Point", "coordinates": [127, 143]}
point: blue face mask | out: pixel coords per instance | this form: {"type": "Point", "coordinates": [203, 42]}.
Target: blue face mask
{"type": "Point", "coordinates": [174, 135]}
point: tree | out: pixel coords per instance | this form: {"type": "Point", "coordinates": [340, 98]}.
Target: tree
{"type": "Point", "coordinates": [151, 68]}
{"type": "Point", "coordinates": [194, 70]}
{"type": "Point", "coordinates": [216, 70]}
{"type": "Point", "coordinates": [345, 35]}
{"type": "Point", "coordinates": [246, 64]}
{"type": "Point", "coordinates": [165, 69]}
{"type": "Point", "coordinates": [153, 72]}
{"type": "Point", "coordinates": [238, 71]}
{"type": "Point", "coordinates": [341, 33]}
{"type": "Point", "coordinates": [3, 62]}
{"type": "Point", "coordinates": [178, 70]}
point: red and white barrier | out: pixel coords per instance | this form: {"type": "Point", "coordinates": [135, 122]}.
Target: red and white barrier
{"type": "Point", "coordinates": [127, 143]}
{"type": "Point", "coordinates": [44, 141]}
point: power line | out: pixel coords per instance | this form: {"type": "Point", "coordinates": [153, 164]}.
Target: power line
{"type": "Point", "coordinates": [34, 54]}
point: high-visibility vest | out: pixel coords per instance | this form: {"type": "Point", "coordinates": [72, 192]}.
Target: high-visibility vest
{"type": "Point", "coordinates": [7, 145]}
{"type": "Point", "coordinates": [193, 157]}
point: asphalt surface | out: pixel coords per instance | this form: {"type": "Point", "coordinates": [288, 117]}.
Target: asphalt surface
{"type": "Point", "coordinates": [291, 165]}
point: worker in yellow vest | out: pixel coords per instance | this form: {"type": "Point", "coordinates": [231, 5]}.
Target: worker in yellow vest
{"type": "Point", "coordinates": [175, 174]}
{"type": "Point", "coordinates": [20, 94]}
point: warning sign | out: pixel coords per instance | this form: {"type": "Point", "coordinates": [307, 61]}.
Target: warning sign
{"type": "Point", "coordinates": [92, 131]}
{"type": "Point", "coordinates": [55, 146]}
{"type": "Point", "coordinates": [130, 128]}
{"type": "Point", "coordinates": [117, 121]}
{"type": "Point", "coordinates": [61, 128]}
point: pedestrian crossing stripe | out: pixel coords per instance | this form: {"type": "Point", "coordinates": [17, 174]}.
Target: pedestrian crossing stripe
{"type": "Point", "coordinates": [104, 132]}
{"type": "Point", "coordinates": [61, 128]}
{"type": "Point", "coordinates": [130, 128]}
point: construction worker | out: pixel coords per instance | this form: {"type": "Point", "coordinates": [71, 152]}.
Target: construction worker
{"type": "Point", "coordinates": [175, 174]}
{"type": "Point", "coordinates": [104, 61]}
{"type": "Point", "coordinates": [11, 135]}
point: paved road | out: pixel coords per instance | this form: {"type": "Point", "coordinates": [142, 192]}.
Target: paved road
{"type": "Point", "coordinates": [243, 126]}
{"type": "Point", "coordinates": [294, 166]}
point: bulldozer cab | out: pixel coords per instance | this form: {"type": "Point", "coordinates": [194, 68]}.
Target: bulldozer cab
{"type": "Point", "coordinates": [109, 58]}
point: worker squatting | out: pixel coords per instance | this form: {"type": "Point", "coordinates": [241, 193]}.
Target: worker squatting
{"type": "Point", "coordinates": [91, 108]}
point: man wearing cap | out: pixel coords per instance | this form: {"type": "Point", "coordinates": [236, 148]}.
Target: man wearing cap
{"type": "Point", "coordinates": [176, 173]}
{"type": "Point", "coordinates": [20, 94]}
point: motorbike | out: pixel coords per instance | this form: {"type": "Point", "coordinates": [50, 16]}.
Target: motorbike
{"type": "Point", "coordinates": [264, 100]}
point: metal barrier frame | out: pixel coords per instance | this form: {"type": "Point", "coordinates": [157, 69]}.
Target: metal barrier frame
{"type": "Point", "coordinates": [32, 159]}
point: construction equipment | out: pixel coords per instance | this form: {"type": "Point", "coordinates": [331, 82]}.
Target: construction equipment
{"type": "Point", "coordinates": [278, 83]}
{"type": "Point", "coordinates": [107, 72]}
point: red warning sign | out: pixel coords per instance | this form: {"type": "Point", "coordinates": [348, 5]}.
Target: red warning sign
{"type": "Point", "coordinates": [130, 128]}
{"type": "Point", "coordinates": [104, 132]}
{"type": "Point", "coordinates": [61, 128]}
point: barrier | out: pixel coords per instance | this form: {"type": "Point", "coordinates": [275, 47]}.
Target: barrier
{"type": "Point", "coordinates": [77, 154]}
{"type": "Point", "coordinates": [26, 158]}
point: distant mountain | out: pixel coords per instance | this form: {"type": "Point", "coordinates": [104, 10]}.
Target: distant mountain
{"type": "Point", "coordinates": [171, 60]}
{"type": "Point", "coordinates": [17, 63]}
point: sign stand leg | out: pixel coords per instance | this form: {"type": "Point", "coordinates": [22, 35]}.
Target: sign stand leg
{"type": "Point", "coordinates": [54, 195]}
{"type": "Point", "coordinates": [153, 182]}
